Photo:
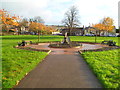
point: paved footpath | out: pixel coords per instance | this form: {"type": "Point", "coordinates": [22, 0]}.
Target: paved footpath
{"type": "Point", "coordinates": [61, 70]}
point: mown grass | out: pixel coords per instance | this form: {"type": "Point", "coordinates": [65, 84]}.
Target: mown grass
{"type": "Point", "coordinates": [92, 39]}
{"type": "Point", "coordinates": [16, 63]}
{"type": "Point", "coordinates": [105, 64]}
{"type": "Point", "coordinates": [59, 38]}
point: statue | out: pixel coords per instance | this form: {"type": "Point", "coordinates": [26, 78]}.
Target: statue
{"type": "Point", "coordinates": [66, 43]}
{"type": "Point", "coordinates": [65, 34]}
{"type": "Point", "coordinates": [66, 39]}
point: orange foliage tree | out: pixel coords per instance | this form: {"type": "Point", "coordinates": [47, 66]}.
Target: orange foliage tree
{"type": "Point", "coordinates": [8, 20]}
{"type": "Point", "coordinates": [106, 24]}
{"type": "Point", "coordinates": [36, 27]}
{"type": "Point", "coordinates": [40, 28]}
{"type": "Point", "coordinates": [49, 29]}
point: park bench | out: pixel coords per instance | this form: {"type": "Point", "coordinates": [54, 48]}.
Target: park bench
{"type": "Point", "coordinates": [23, 43]}
{"type": "Point", "coordinates": [109, 42]}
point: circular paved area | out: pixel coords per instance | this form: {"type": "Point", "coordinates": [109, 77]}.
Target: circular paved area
{"type": "Point", "coordinates": [66, 50]}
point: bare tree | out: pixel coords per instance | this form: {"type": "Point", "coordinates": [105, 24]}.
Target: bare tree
{"type": "Point", "coordinates": [38, 19]}
{"type": "Point", "coordinates": [71, 19]}
{"type": "Point", "coordinates": [24, 22]}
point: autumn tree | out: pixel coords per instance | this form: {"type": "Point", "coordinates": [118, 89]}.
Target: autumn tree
{"type": "Point", "coordinates": [98, 28]}
{"type": "Point", "coordinates": [49, 29]}
{"type": "Point", "coordinates": [8, 20]}
{"type": "Point", "coordinates": [36, 27]}
{"type": "Point", "coordinates": [71, 18]}
{"type": "Point", "coordinates": [106, 24]}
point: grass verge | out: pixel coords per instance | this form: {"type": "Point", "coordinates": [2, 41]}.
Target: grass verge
{"type": "Point", "coordinates": [105, 65]}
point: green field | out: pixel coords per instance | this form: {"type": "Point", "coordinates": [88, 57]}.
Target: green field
{"type": "Point", "coordinates": [16, 63]}
{"type": "Point", "coordinates": [59, 38]}
{"type": "Point", "coordinates": [105, 65]}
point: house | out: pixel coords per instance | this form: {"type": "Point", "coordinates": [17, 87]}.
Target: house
{"type": "Point", "coordinates": [91, 31]}
{"type": "Point", "coordinates": [24, 29]}
{"type": "Point", "coordinates": [56, 33]}
{"type": "Point", "coordinates": [57, 29]}
{"type": "Point", "coordinates": [77, 31]}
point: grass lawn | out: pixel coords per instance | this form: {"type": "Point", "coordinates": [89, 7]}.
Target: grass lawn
{"type": "Point", "coordinates": [92, 39]}
{"type": "Point", "coordinates": [59, 38]}
{"type": "Point", "coordinates": [16, 63]}
{"type": "Point", "coordinates": [105, 65]}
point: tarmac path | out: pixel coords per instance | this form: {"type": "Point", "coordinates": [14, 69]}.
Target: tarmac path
{"type": "Point", "coordinates": [62, 68]}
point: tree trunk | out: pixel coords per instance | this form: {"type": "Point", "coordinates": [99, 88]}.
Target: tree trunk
{"type": "Point", "coordinates": [96, 37]}
{"type": "Point", "coordinates": [38, 36]}
{"type": "Point", "coordinates": [70, 31]}
{"type": "Point", "coordinates": [99, 32]}
{"type": "Point", "coordinates": [19, 31]}
{"type": "Point", "coordinates": [7, 27]}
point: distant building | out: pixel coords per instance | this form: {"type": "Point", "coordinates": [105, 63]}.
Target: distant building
{"type": "Point", "coordinates": [88, 31]}
{"type": "Point", "coordinates": [78, 31]}
{"type": "Point", "coordinates": [56, 33]}
{"type": "Point", "coordinates": [57, 27]}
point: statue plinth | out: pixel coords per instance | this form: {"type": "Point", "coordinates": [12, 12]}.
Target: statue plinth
{"type": "Point", "coordinates": [66, 43]}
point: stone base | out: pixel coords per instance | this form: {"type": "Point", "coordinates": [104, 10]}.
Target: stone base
{"type": "Point", "coordinates": [65, 45]}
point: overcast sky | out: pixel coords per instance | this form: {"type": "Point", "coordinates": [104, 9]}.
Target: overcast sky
{"type": "Point", "coordinates": [52, 11]}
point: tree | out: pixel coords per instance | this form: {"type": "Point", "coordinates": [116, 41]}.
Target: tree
{"type": "Point", "coordinates": [40, 29]}
{"type": "Point", "coordinates": [36, 27]}
{"type": "Point", "coordinates": [49, 29]}
{"type": "Point", "coordinates": [22, 23]}
{"type": "Point", "coordinates": [99, 27]}
{"type": "Point", "coordinates": [37, 19]}
{"type": "Point", "coordinates": [71, 18]}
{"type": "Point", "coordinates": [106, 24]}
{"type": "Point", "coordinates": [8, 20]}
